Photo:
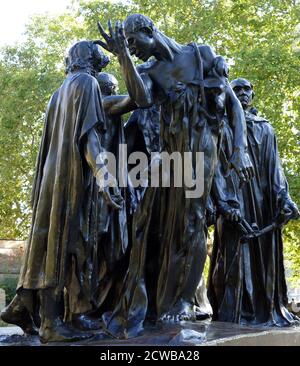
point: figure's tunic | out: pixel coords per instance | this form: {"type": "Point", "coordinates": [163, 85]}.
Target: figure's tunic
{"type": "Point", "coordinates": [164, 263]}
{"type": "Point", "coordinates": [109, 258]}
{"type": "Point", "coordinates": [142, 130]}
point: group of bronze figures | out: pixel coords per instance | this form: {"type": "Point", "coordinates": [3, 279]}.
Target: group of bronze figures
{"type": "Point", "coordinates": [115, 258]}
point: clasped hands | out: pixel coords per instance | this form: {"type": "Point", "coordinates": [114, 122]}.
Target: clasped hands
{"type": "Point", "coordinates": [289, 211]}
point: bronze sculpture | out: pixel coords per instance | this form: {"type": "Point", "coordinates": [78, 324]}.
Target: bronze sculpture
{"type": "Point", "coordinates": [104, 230]}
{"type": "Point", "coordinates": [131, 256]}
{"type": "Point", "coordinates": [247, 283]}
{"type": "Point", "coordinates": [174, 79]}
{"type": "Point", "coordinates": [66, 164]}
{"type": "Point", "coordinates": [111, 262]}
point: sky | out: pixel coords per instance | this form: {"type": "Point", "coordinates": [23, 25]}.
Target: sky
{"type": "Point", "coordinates": [14, 14]}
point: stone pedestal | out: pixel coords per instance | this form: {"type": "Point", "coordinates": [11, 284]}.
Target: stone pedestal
{"type": "Point", "coordinates": [204, 333]}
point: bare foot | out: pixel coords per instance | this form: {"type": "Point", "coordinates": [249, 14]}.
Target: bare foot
{"type": "Point", "coordinates": [181, 311]}
{"type": "Point", "coordinates": [61, 332]}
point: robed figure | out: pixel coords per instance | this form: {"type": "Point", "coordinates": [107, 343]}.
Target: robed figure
{"type": "Point", "coordinates": [110, 261]}
{"type": "Point", "coordinates": [57, 253]}
{"type": "Point", "coordinates": [247, 279]}
{"type": "Point", "coordinates": [173, 79]}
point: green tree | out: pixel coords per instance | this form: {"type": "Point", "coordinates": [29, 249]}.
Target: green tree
{"type": "Point", "coordinates": [259, 39]}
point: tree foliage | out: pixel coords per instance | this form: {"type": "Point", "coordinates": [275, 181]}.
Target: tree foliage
{"type": "Point", "coordinates": [259, 39]}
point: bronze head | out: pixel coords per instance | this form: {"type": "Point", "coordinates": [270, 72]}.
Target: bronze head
{"type": "Point", "coordinates": [139, 32]}
{"type": "Point", "coordinates": [86, 55]}
{"type": "Point", "coordinates": [108, 83]}
{"type": "Point", "coordinates": [243, 89]}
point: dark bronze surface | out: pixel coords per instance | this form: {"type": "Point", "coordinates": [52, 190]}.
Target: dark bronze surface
{"type": "Point", "coordinates": [189, 85]}
{"type": "Point", "coordinates": [247, 282]}
{"type": "Point", "coordinates": [119, 259]}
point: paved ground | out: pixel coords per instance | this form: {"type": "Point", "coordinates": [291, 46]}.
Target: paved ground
{"type": "Point", "coordinates": [9, 331]}
{"type": "Point", "coordinates": [204, 333]}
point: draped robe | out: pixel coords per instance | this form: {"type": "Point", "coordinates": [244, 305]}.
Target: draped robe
{"type": "Point", "coordinates": [164, 262]}
{"type": "Point", "coordinates": [61, 181]}
{"type": "Point", "coordinates": [247, 281]}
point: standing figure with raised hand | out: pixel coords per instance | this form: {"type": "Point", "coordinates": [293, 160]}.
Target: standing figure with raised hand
{"type": "Point", "coordinates": [173, 79]}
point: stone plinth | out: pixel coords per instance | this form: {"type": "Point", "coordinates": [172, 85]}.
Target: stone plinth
{"type": "Point", "coordinates": [203, 333]}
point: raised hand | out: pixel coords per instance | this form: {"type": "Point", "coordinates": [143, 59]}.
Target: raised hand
{"type": "Point", "coordinates": [115, 41]}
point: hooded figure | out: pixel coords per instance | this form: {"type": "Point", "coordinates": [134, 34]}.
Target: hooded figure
{"type": "Point", "coordinates": [247, 281]}
{"type": "Point", "coordinates": [63, 225]}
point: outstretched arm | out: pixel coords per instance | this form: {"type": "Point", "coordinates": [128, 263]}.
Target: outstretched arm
{"type": "Point", "coordinates": [118, 104]}
{"type": "Point", "coordinates": [139, 86]}
{"type": "Point", "coordinates": [240, 160]}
